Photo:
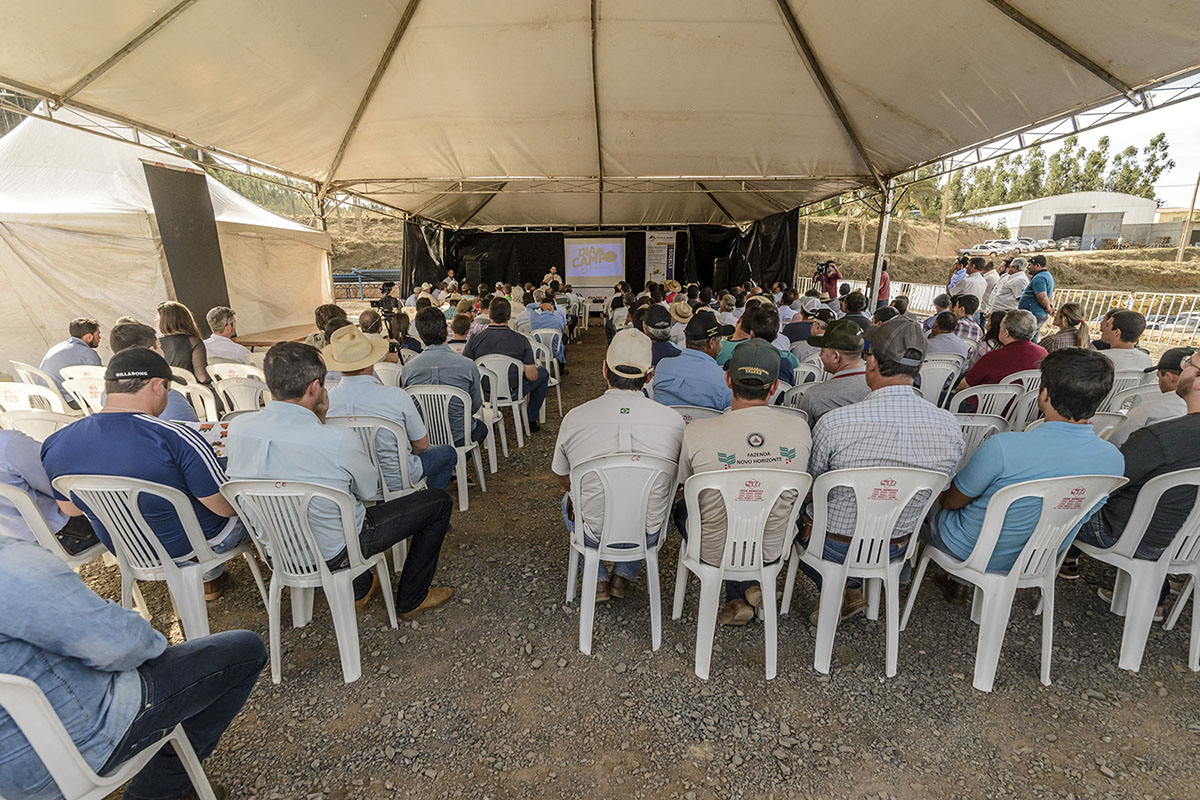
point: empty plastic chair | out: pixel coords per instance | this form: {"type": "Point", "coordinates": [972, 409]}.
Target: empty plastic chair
{"type": "Point", "coordinates": [434, 404]}
{"type": "Point", "coordinates": [35, 424]}
{"type": "Point", "coordinates": [27, 373]}
{"type": "Point", "coordinates": [76, 780]}
{"type": "Point", "coordinates": [242, 394]}
{"type": "Point", "coordinates": [115, 503]}
{"type": "Point", "coordinates": [504, 391]}
{"type": "Point", "coordinates": [30, 397]}
{"type": "Point", "coordinates": [1064, 503]}
{"type": "Point", "coordinates": [545, 358]}
{"type": "Point", "coordinates": [276, 512]}
{"type": "Point", "coordinates": [87, 392]}
{"type": "Point", "coordinates": [749, 496]}
{"type": "Point", "coordinates": [93, 371]}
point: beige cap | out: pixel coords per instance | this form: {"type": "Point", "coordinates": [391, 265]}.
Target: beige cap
{"type": "Point", "coordinates": [629, 355]}
{"type": "Point", "coordinates": [350, 350]}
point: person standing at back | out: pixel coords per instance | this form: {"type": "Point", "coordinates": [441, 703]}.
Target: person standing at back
{"type": "Point", "coordinates": [1038, 294]}
{"type": "Point", "coordinates": [79, 349]}
{"type": "Point", "coordinates": [973, 283]}
{"type": "Point", "coordinates": [1008, 292]}
{"type": "Point", "coordinates": [992, 279]}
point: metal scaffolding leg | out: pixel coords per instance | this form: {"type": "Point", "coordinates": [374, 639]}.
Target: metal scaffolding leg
{"type": "Point", "coordinates": [888, 201]}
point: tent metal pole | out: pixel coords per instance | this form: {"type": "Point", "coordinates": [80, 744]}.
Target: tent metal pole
{"type": "Point", "coordinates": [814, 66]}
{"type": "Point", "coordinates": [133, 44]}
{"type": "Point", "coordinates": [1031, 25]}
{"type": "Point", "coordinates": [887, 202]}
{"type": "Point", "coordinates": [479, 208]}
{"type": "Point", "coordinates": [596, 117]}
{"type": "Point", "coordinates": [716, 202]}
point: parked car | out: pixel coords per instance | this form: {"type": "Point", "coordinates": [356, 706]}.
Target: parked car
{"type": "Point", "coordinates": [1045, 244]}
{"type": "Point", "coordinates": [1069, 243]}
{"type": "Point", "coordinates": [1026, 244]}
{"type": "Point", "coordinates": [1183, 323]}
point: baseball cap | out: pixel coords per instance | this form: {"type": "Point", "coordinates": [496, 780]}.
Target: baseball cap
{"type": "Point", "coordinates": [895, 339]}
{"type": "Point", "coordinates": [841, 334]}
{"type": "Point", "coordinates": [754, 363]}
{"type": "Point", "coordinates": [704, 325]}
{"type": "Point", "coordinates": [1019, 262]}
{"type": "Point", "coordinates": [629, 354]}
{"type": "Point", "coordinates": [657, 317]}
{"type": "Point", "coordinates": [810, 305]}
{"type": "Point", "coordinates": [1172, 360]}
{"type": "Point", "coordinates": [135, 363]}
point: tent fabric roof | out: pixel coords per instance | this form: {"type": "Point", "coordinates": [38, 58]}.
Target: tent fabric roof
{"type": "Point", "coordinates": [594, 111]}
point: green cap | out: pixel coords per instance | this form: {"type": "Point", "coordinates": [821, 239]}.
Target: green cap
{"type": "Point", "coordinates": [841, 334]}
{"type": "Point", "coordinates": [754, 363]}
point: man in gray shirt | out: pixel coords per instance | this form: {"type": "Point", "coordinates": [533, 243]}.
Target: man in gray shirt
{"type": "Point", "coordinates": [438, 365]}
{"type": "Point", "coordinates": [78, 349]}
{"type": "Point", "coordinates": [841, 354]}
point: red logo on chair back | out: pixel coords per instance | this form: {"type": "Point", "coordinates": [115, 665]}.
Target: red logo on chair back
{"type": "Point", "coordinates": [1073, 501]}
{"type": "Point", "coordinates": [280, 484]}
{"type": "Point", "coordinates": [886, 490]}
{"type": "Point", "coordinates": [752, 493]}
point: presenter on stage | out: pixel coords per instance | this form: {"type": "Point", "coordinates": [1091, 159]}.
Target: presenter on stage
{"type": "Point", "coordinates": [551, 276]}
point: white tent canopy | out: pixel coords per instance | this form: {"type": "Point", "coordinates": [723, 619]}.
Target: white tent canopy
{"type": "Point", "coordinates": [78, 237]}
{"type": "Point", "coordinates": [594, 111]}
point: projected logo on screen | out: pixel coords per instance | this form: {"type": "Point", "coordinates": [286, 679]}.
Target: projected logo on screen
{"type": "Point", "coordinates": [594, 258]}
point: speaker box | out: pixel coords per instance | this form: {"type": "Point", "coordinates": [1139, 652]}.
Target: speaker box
{"type": "Point", "coordinates": [473, 274]}
{"type": "Point", "coordinates": [721, 273]}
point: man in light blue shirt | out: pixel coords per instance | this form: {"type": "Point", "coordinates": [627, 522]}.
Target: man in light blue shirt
{"type": "Point", "coordinates": [288, 440]}
{"type": "Point", "coordinates": [1074, 383]}
{"type": "Point", "coordinates": [110, 678]}
{"type": "Point", "coordinates": [693, 378]}
{"type": "Point", "coordinates": [545, 314]}
{"type": "Point", "coordinates": [359, 392]}
{"type": "Point", "coordinates": [21, 467]}
{"type": "Point", "coordinates": [78, 350]}
{"type": "Point", "coordinates": [438, 365]}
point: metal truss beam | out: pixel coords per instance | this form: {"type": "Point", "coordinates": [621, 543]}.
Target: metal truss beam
{"type": "Point", "coordinates": [634, 185]}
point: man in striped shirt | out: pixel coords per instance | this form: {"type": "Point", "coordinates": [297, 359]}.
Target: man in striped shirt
{"type": "Point", "coordinates": [128, 439]}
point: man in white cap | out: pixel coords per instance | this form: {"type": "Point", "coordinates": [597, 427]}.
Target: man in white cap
{"type": "Point", "coordinates": [354, 354]}
{"type": "Point", "coordinates": [622, 420]}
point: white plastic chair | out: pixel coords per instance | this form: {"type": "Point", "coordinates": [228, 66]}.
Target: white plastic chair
{"type": "Point", "coordinates": [115, 502]}
{"type": "Point", "coordinates": [1127, 399]}
{"type": "Point", "coordinates": [242, 394]}
{"type": "Point", "coordinates": [389, 374]}
{"type": "Point", "coordinates": [35, 424]}
{"type": "Point", "coordinates": [1025, 410]}
{"type": "Point", "coordinates": [521, 325]}
{"type": "Point", "coordinates": [990, 399]}
{"type": "Point", "coordinates": [32, 517]}
{"type": "Point", "coordinates": [936, 381]}
{"type": "Point", "coordinates": [368, 429]}
{"type": "Point", "coordinates": [1105, 422]}
{"type": "Point", "coordinates": [258, 359]}
{"type": "Point", "coordinates": [498, 370]}
{"type": "Point", "coordinates": [34, 376]}
{"type": "Point", "coordinates": [187, 375]}
{"type": "Point", "coordinates": [93, 371]}
{"type": "Point", "coordinates": [406, 355]}
{"type": "Point", "coordinates": [748, 495]}
{"type": "Point", "coordinates": [545, 358]}
{"type": "Point", "coordinates": [953, 359]}
{"type": "Point", "coordinates": [881, 494]}
{"type": "Point", "coordinates": [219, 371]}
{"type": "Point", "coordinates": [276, 512]}
{"type": "Point", "coordinates": [692, 413]}
{"type": "Point", "coordinates": [458, 347]}
{"type": "Point", "coordinates": [88, 393]}
{"type": "Point", "coordinates": [1028, 379]}
{"type": "Point", "coordinates": [792, 411]}
{"type": "Point", "coordinates": [549, 337]}
{"type": "Point", "coordinates": [30, 397]}
{"type": "Point", "coordinates": [976, 428]}
{"type": "Point", "coordinates": [626, 482]}
{"type": "Point", "coordinates": [807, 374]}
{"type": "Point", "coordinates": [1125, 379]}
{"type": "Point", "coordinates": [76, 780]}
{"type": "Point", "coordinates": [1065, 501]}
{"type": "Point", "coordinates": [434, 404]}
{"type": "Point", "coordinates": [201, 399]}
{"type": "Point", "coordinates": [1139, 581]}
{"type": "Point", "coordinates": [791, 398]}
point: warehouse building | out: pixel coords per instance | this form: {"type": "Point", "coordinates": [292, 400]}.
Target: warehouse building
{"type": "Point", "coordinates": [1095, 217]}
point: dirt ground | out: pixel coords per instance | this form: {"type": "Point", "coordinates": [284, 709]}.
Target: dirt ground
{"type": "Point", "coordinates": [489, 697]}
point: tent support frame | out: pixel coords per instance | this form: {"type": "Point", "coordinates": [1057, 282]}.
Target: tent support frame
{"type": "Point", "coordinates": [596, 117]}
{"type": "Point", "coordinates": [887, 204]}
{"type": "Point", "coordinates": [716, 202]}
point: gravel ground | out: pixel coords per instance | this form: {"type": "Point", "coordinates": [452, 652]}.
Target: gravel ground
{"type": "Point", "coordinates": [489, 697]}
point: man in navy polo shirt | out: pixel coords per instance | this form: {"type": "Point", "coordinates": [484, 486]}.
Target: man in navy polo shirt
{"type": "Point", "coordinates": [126, 438]}
{"type": "Point", "coordinates": [497, 337]}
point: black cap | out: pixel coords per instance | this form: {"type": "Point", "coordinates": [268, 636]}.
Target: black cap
{"type": "Point", "coordinates": [1172, 360]}
{"type": "Point", "coordinates": [139, 363]}
{"type": "Point", "coordinates": [704, 325]}
{"type": "Point", "coordinates": [657, 316]}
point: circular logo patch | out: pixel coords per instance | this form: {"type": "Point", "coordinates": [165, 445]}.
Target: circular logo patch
{"type": "Point", "coordinates": [755, 440]}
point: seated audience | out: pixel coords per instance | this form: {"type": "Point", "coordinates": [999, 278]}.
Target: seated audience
{"type": "Point", "coordinates": [693, 378]}
{"type": "Point", "coordinates": [752, 433]}
{"type": "Point", "coordinates": [681, 312]}
{"type": "Point", "coordinates": [460, 327]}
{"type": "Point", "coordinates": [438, 365]}
{"type": "Point", "coordinates": [964, 307]}
{"type": "Point", "coordinates": [370, 322]}
{"type": "Point", "coordinates": [1072, 329]}
{"type": "Point", "coordinates": [991, 338]}
{"type": "Point", "coordinates": [1074, 383]}
{"type": "Point", "coordinates": [942, 338]}
{"type": "Point", "coordinates": [222, 321]}
{"type": "Point", "coordinates": [180, 342]}
{"type": "Point", "coordinates": [111, 679]}
{"type": "Point", "coordinates": [1168, 405]}
{"type": "Point", "coordinates": [1121, 332]}
{"type": "Point", "coordinates": [483, 316]}
{"type": "Point", "coordinates": [855, 307]}
{"type": "Point", "coordinates": [1017, 353]}
{"type": "Point", "coordinates": [819, 323]}
{"type": "Point", "coordinates": [545, 313]}
{"type": "Point", "coordinates": [893, 427]}
{"type": "Point", "coordinates": [940, 303]}
{"type": "Point", "coordinates": [289, 440]}
{"type": "Point", "coordinates": [798, 329]}
{"type": "Point", "coordinates": [79, 349]}
{"type": "Point", "coordinates": [761, 321]}
{"type": "Point", "coordinates": [725, 313]}
{"type": "Point", "coordinates": [127, 439]}
{"type": "Point", "coordinates": [498, 338]}
{"type": "Point", "coordinates": [841, 354]}
{"type": "Point", "coordinates": [622, 420]}
{"type": "Point", "coordinates": [325, 314]}
{"type": "Point", "coordinates": [359, 392]}
{"type": "Point", "coordinates": [21, 467]}
{"type": "Point", "coordinates": [399, 331]}
{"type": "Point", "coordinates": [134, 334]}
{"type": "Point", "coordinates": [656, 324]}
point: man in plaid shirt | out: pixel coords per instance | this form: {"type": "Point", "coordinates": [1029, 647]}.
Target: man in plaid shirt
{"type": "Point", "coordinates": [893, 427]}
{"type": "Point", "coordinates": [964, 307]}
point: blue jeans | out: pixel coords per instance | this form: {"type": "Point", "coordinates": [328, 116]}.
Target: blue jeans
{"type": "Point", "coordinates": [437, 465]}
{"type": "Point", "coordinates": [1041, 320]}
{"type": "Point", "coordinates": [626, 569]}
{"type": "Point", "coordinates": [203, 684]}
{"type": "Point", "coordinates": [836, 552]}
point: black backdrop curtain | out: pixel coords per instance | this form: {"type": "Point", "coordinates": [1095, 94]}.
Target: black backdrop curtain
{"type": "Point", "coordinates": [765, 252]}
{"type": "Point", "coordinates": [422, 256]}
{"type": "Point", "coordinates": [506, 257]}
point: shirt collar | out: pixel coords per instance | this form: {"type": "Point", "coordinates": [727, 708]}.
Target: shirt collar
{"type": "Point", "coordinates": [899, 391]}
{"type": "Point", "coordinates": [429, 348]}
{"type": "Point", "coordinates": [624, 392]}
{"type": "Point", "coordinates": [294, 410]}
{"type": "Point", "coordinates": [77, 340]}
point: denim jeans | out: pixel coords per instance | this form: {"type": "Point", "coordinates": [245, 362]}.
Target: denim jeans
{"type": "Point", "coordinates": [437, 465]}
{"type": "Point", "coordinates": [836, 552]}
{"type": "Point", "coordinates": [626, 569]}
{"type": "Point", "coordinates": [203, 684]}
{"type": "Point", "coordinates": [422, 518]}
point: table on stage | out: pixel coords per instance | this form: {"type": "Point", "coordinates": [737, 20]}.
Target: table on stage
{"type": "Point", "coordinates": [292, 333]}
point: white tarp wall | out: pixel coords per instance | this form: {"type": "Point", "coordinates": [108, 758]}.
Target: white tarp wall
{"type": "Point", "coordinates": [594, 111]}
{"type": "Point", "coordinates": [78, 238]}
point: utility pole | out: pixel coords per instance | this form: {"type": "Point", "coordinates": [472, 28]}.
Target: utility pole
{"type": "Point", "coordinates": [1186, 233]}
